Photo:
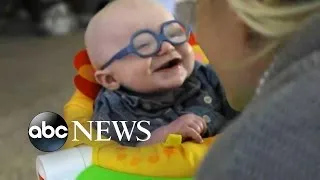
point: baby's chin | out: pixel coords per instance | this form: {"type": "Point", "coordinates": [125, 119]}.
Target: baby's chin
{"type": "Point", "coordinates": [175, 80]}
{"type": "Point", "coordinates": [160, 85]}
{"type": "Point", "coordinates": [172, 83]}
{"type": "Point", "coordinates": [161, 81]}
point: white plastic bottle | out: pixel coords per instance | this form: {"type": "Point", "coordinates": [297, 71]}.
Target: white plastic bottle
{"type": "Point", "coordinates": [65, 164]}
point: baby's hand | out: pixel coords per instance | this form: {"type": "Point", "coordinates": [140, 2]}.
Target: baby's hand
{"type": "Point", "coordinates": [189, 126]}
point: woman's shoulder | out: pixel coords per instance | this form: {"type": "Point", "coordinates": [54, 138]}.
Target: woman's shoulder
{"type": "Point", "coordinates": [299, 56]}
{"type": "Point", "coordinates": [297, 64]}
{"type": "Point", "coordinates": [294, 93]}
{"type": "Point", "coordinates": [298, 77]}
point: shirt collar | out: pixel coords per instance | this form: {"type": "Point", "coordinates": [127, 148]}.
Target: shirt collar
{"type": "Point", "coordinates": [160, 100]}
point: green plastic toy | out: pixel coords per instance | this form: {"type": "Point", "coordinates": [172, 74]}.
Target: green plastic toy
{"type": "Point", "coordinates": [98, 173]}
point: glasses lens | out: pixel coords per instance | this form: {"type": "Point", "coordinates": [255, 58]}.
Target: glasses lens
{"type": "Point", "coordinates": [145, 44]}
{"type": "Point", "coordinates": [176, 33]}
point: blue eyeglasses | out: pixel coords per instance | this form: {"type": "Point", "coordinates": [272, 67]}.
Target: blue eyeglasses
{"type": "Point", "coordinates": [146, 43]}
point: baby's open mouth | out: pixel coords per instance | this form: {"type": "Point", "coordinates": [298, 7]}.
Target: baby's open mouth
{"type": "Point", "coordinates": [170, 64]}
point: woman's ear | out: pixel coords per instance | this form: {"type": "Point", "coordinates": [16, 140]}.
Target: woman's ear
{"type": "Point", "coordinates": [106, 79]}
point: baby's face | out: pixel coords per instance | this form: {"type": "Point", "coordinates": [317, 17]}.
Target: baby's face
{"type": "Point", "coordinates": [166, 67]}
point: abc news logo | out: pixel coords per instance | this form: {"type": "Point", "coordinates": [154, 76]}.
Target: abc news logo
{"type": "Point", "coordinates": [48, 131]}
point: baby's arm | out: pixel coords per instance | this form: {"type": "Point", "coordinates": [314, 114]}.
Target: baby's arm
{"type": "Point", "coordinates": [157, 136]}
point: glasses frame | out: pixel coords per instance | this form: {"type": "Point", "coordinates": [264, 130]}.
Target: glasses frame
{"type": "Point", "coordinates": [130, 49]}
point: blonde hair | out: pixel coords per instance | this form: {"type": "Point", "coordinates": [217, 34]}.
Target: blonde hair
{"type": "Point", "coordinates": [273, 20]}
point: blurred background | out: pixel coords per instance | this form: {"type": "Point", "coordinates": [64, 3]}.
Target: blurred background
{"type": "Point", "coordinates": [46, 17]}
{"type": "Point", "coordinates": [38, 41]}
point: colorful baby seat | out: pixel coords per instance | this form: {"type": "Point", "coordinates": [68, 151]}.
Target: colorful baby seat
{"type": "Point", "coordinates": [169, 160]}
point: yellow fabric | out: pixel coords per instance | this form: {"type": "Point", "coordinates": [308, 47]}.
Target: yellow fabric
{"type": "Point", "coordinates": [199, 52]}
{"type": "Point", "coordinates": [87, 72]}
{"type": "Point", "coordinates": [170, 159]}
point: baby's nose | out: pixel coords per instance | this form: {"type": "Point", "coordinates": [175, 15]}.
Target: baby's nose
{"type": "Point", "coordinates": [165, 48]}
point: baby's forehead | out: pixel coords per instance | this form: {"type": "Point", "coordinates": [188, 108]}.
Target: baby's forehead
{"type": "Point", "coordinates": [147, 21]}
{"type": "Point", "coordinates": [127, 28]}
{"type": "Point", "coordinates": [142, 17]}
{"type": "Point", "coordinates": [154, 26]}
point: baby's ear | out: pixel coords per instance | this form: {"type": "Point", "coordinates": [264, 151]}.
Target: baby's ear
{"type": "Point", "coordinates": [106, 79]}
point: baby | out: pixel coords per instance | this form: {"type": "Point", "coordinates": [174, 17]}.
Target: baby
{"type": "Point", "coordinates": [148, 72]}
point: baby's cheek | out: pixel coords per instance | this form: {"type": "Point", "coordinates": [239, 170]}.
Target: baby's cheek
{"type": "Point", "coordinates": [186, 52]}
{"type": "Point", "coordinates": [140, 80]}
{"type": "Point", "coordinates": [136, 69]}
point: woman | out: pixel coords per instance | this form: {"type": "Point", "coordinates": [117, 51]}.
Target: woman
{"type": "Point", "coordinates": [267, 55]}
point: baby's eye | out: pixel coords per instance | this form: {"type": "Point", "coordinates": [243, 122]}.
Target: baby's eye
{"type": "Point", "coordinates": [145, 45]}
{"type": "Point", "coordinates": [174, 34]}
